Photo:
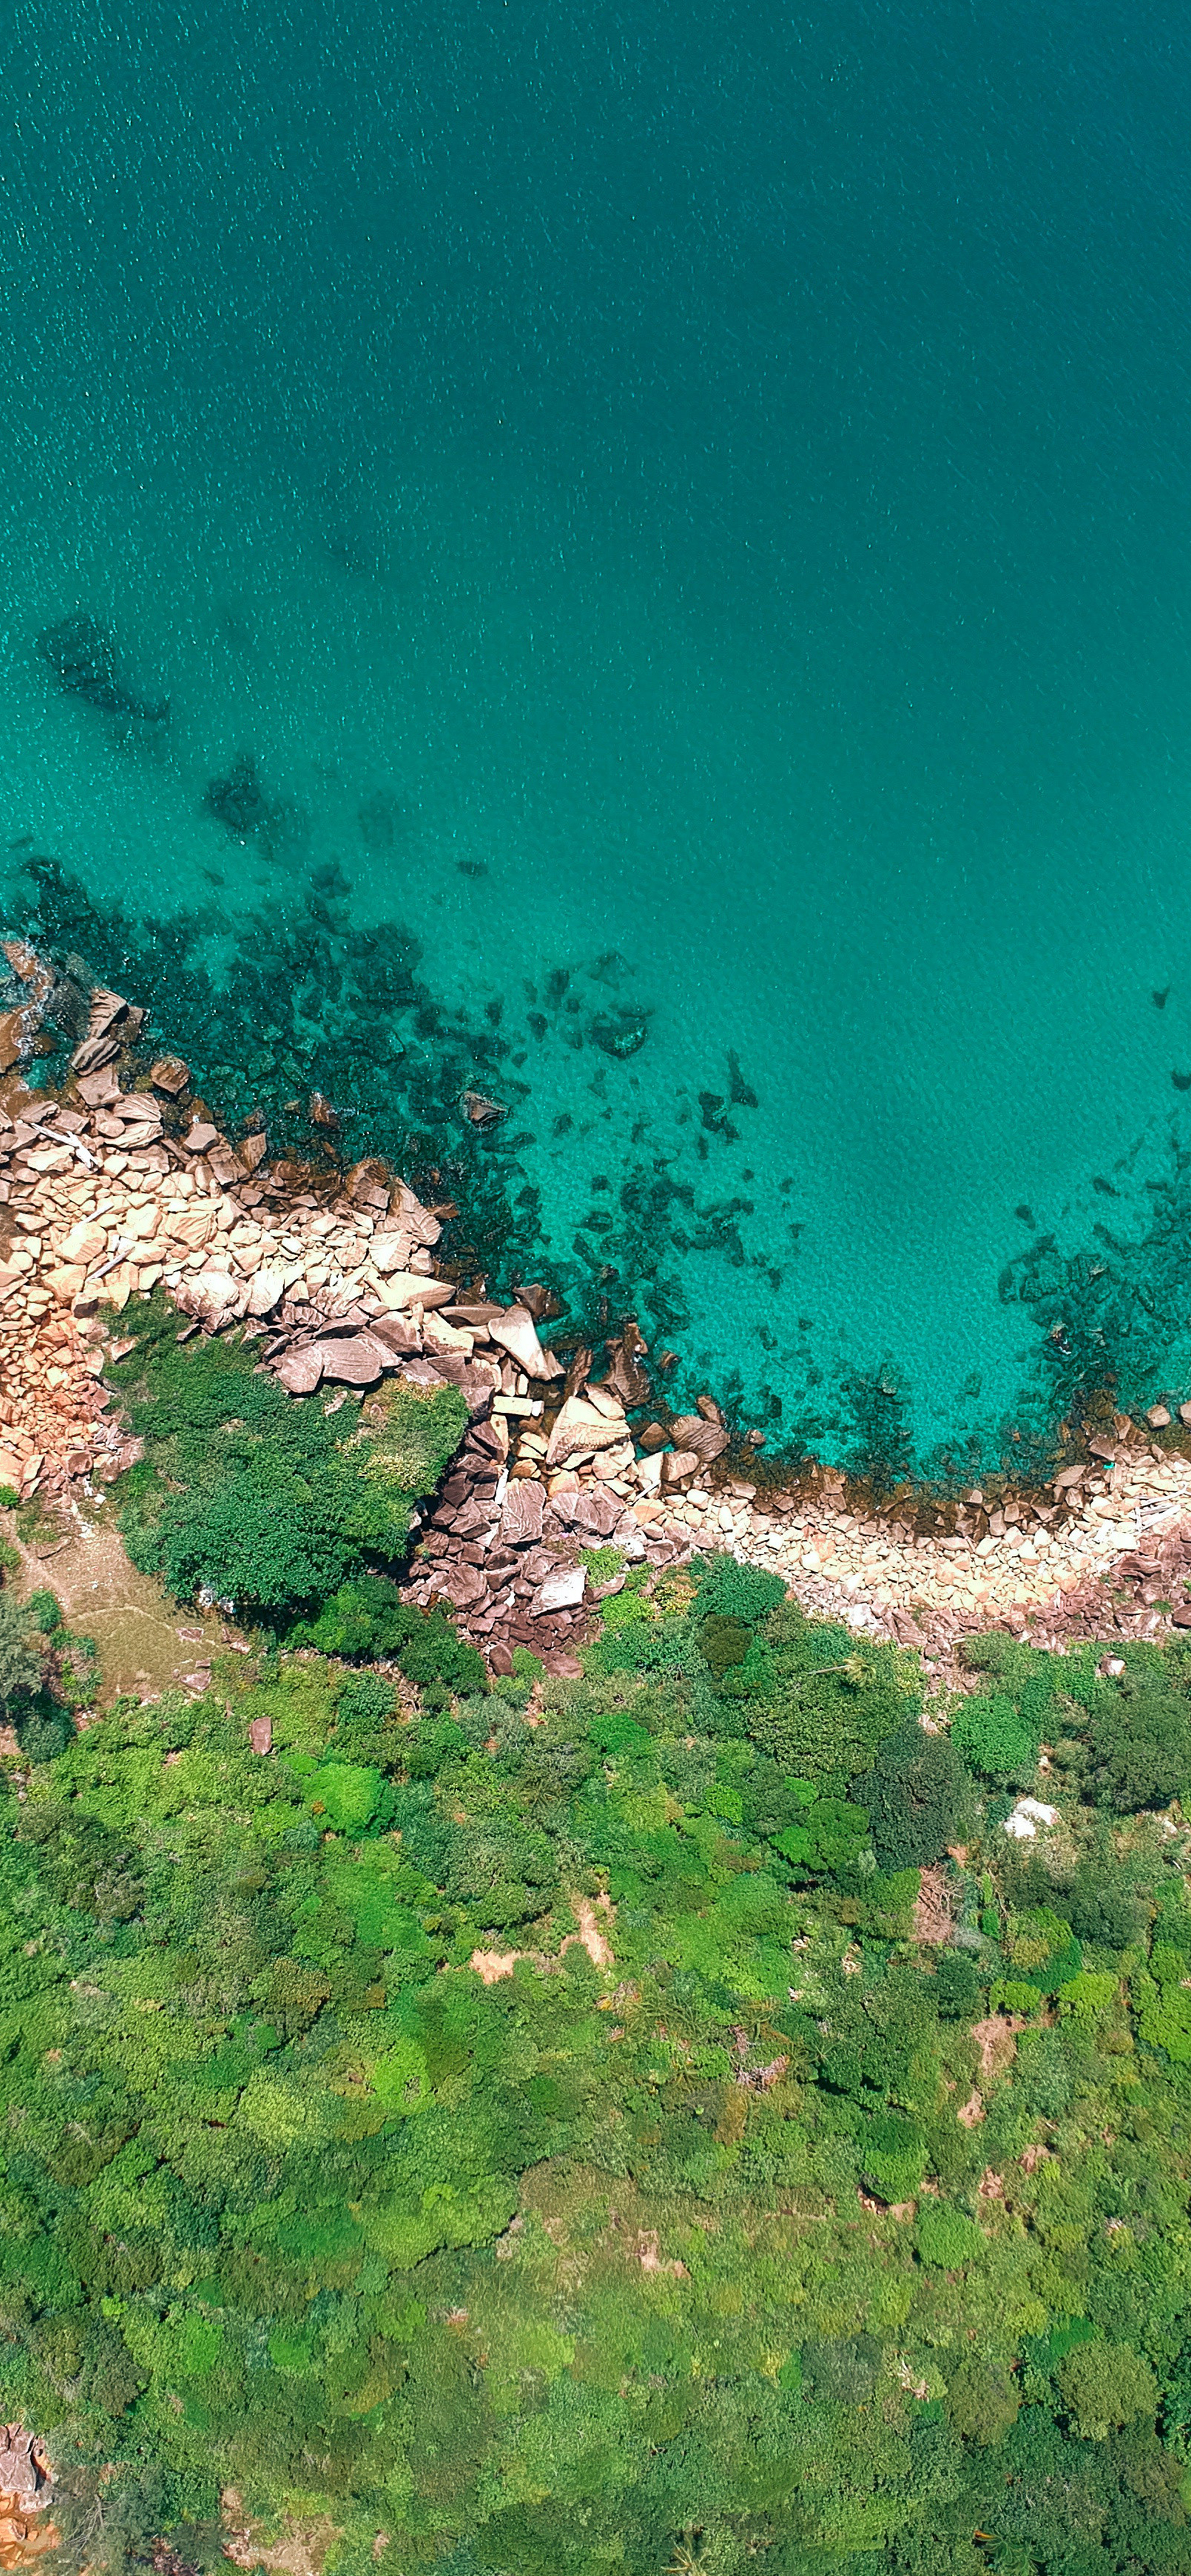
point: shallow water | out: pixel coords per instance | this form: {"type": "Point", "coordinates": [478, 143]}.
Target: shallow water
{"type": "Point", "coordinates": [690, 519]}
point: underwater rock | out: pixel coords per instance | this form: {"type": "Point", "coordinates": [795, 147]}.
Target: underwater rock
{"type": "Point", "coordinates": [619, 1033]}
{"type": "Point", "coordinates": [84, 659]}
{"type": "Point", "coordinates": [239, 801]}
{"type": "Point", "coordinates": [321, 1111]}
{"type": "Point", "coordinates": [481, 1111]}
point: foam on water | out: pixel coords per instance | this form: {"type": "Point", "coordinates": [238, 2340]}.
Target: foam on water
{"type": "Point", "coordinates": [705, 498]}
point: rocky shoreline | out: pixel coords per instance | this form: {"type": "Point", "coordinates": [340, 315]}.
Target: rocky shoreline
{"type": "Point", "coordinates": [118, 1184]}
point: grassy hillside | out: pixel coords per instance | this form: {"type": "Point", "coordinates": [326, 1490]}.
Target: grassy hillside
{"type": "Point", "coordinates": [748, 2229]}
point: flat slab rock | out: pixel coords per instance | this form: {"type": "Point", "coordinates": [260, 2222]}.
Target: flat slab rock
{"type": "Point", "coordinates": [357, 1361]}
{"type": "Point", "coordinates": [521, 1513]}
{"type": "Point", "coordinates": [300, 1371]}
{"type": "Point", "coordinates": [561, 1591]}
{"type": "Point", "coordinates": [516, 1333]}
{"type": "Point", "coordinates": [582, 1426]}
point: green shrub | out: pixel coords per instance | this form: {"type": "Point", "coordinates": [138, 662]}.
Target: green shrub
{"type": "Point", "coordinates": [730, 1590]}
{"type": "Point", "coordinates": [254, 1497]}
{"type": "Point", "coordinates": [946, 2238]}
{"type": "Point", "coordinates": [365, 1700]}
{"type": "Point", "coordinates": [915, 1796]}
{"type": "Point", "coordinates": [21, 1666]}
{"type": "Point", "coordinates": [369, 1619]}
{"type": "Point", "coordinates": [983, 2402]}
{"type": "Point", "coordinates": [1106, 2384]}
{"type": "Point", "coordinates": [995, 1737]}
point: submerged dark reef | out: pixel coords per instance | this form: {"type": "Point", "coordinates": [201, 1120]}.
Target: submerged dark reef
{"type": "Point", "coordinates": [330, 1033]}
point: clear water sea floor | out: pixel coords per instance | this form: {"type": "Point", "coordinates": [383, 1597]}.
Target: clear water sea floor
{"type": "Point", "coordinates": [672, 584]}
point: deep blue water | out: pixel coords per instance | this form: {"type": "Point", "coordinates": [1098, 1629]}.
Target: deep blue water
{"type": "Point", "coordinates": [701, 491]}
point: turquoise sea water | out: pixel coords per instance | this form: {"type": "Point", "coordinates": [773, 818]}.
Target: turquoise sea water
{"type": "Point", "coordinates": [688, 513]}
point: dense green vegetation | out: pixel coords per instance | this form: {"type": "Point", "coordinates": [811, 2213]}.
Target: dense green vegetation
{"type": "Point", "coordinates": [783, 2239]}
{"type": "Point", "coordinates": [270, 1504]}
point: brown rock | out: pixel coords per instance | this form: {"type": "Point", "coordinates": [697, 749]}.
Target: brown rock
{"type": "Point", "coordinates": [398, 1332]}
{"type": "Point", "coordinates": [199, 1136]}
{"type": "Point", "coordinates": [464, 1585]}
{"type": "Point", "coordinates": [86, 1242]}
{"type": "Point", "coordinates": [626, 1378]}
{"type": "Point", "coordinates": [300, 1371]}
{"type": "Point", "coordinates": [98, 1088]}
{"type": "Point", "coordinates": [580, 1427]}
{"type": "Point", "coordinates": [707, 1439]}
{"type": "Point", "coordinates": [107, 1009]}
{"type": "Point", "coordinates": [678, 1467]}
{"type": "Point", "coordinates": [707, 1406]}
{"type": "Point", "coordinates": [359, 1361]}
{"type": "Point", "coordinates": [561, 1591]}
{"type": "Point", "coordinates": [594, 1509]}
{"type": "Point", "coordinates": [252, 1149]}
{"type": "Point", "coordinates": [653, 1437]}
{"type": "Point", "coordinates": [170, 1074]}
{"type": "Point", "coordinates": [409, 1288]}
{"type": "Point", "coordinates": [10, 1038]}
{"type": "Point", "coordinates": [321, 1110]}
{"type": "Point", "coordinates": [260, 1734]}
{"type": "Point", "coordinates": [540, 1300]}
{"type": "Point", "coordinates": [521, 1514]}
{"type": "Point", "coordinates": [66, 1283]}
{"type": "Point", "coordinates": [408, 1214]}
{"type": "Point", "coordinates": [516, 1333]}
{"type": "Point", "coordinates": [94, 1053]}
{"type": "Point", "coordinates": [481, 1111]}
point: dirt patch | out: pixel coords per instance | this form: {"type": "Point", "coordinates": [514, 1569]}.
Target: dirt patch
{"type": "Point", "coordinates": [146, 1643]}
{"type": "Point", "coordinates": [492, 1965]}
{"type": "Point", "coordinates": [932, 1907]}
{"type": "Point", "coordinates": [971, 2111]}
{"type": "Point", "coordinates": [599, 1950]}
{"type": "Point", "coordinates": [996, 2040]}
{"type": "Point", "coordinates": [301, 2551]}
